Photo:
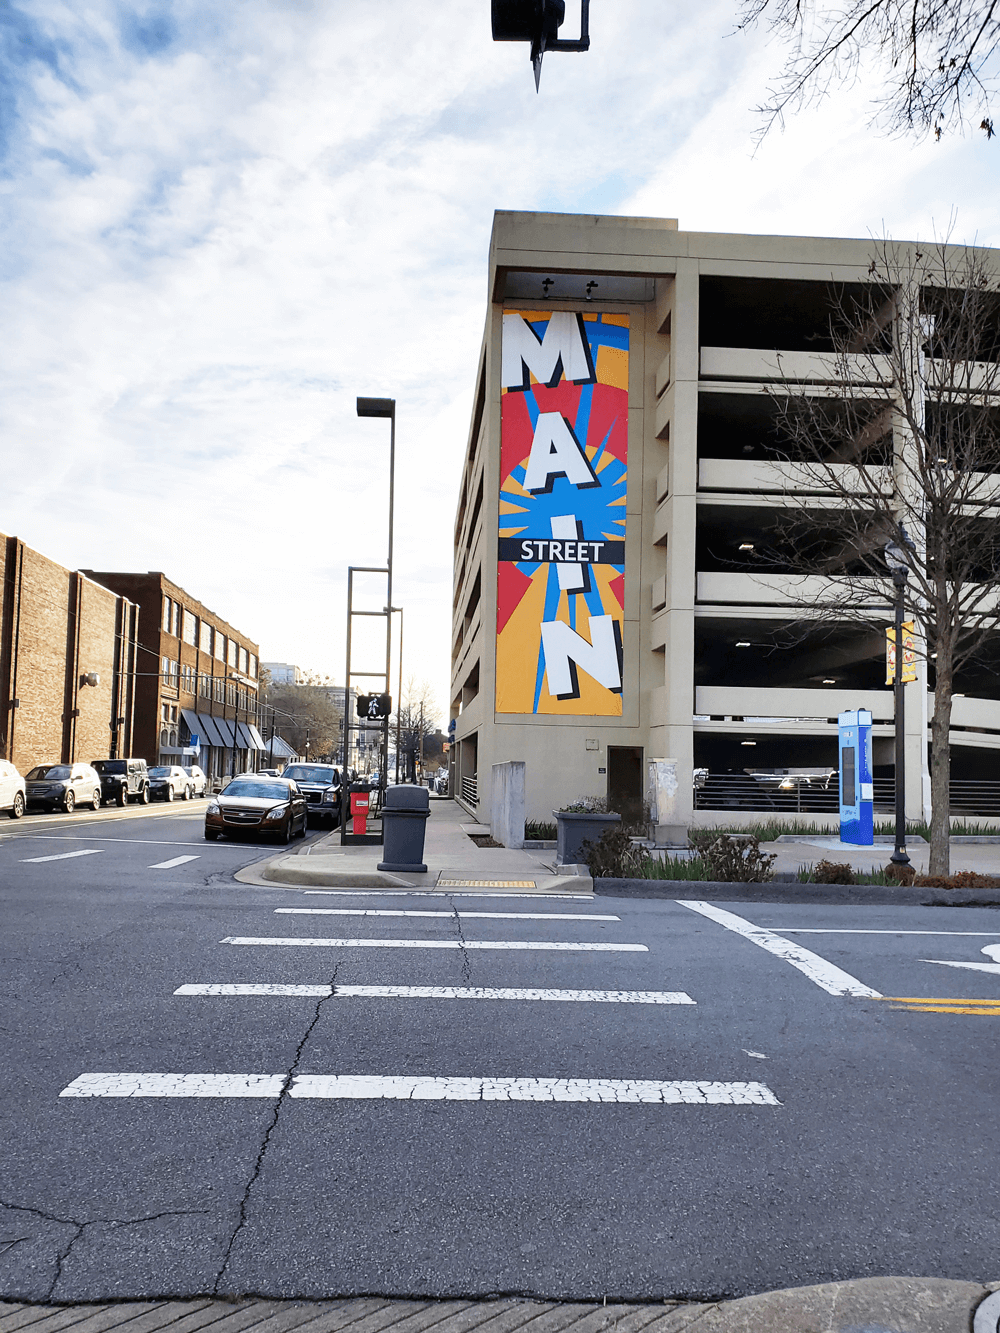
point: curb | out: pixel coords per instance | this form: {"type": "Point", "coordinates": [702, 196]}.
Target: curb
{"type": "Point", "coordinates": [779, 891]}
{"type": "Point", "coordinates": [867, 1305]}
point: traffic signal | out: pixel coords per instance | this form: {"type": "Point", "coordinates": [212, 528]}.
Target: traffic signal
{"type": "Point", "coordinates": [374, 705]}
{"type": "Point", "coordinates": [538, 22]}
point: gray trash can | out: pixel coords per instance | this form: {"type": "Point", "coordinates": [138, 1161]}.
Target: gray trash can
{"type": "Point", "coordinates": [404, 813]}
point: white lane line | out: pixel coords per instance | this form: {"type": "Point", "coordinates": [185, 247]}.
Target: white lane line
{"type": "Point", "coordinates": [61, 856]}
{"type": "Point", "coordinates": [149, 842]}
{"type": "Point", "coordinates": [290, 942]}
{"type": "Point", "coordinates": [972, 967]}
{"type": "Point", "coordinates": [672, 1092]}
{"type": "Point", "coordinates": [825, 975]}
{"type": "Point", "coordinates": [441, 993]}
{"type": "Point", "coordinates": [177, 861]}
{"type": "Point", "coordinates": [483, 916]}
{"type": "Point", "coordinates": [812, 930]}
{"type": "Point", "coordinates": [440, 893]}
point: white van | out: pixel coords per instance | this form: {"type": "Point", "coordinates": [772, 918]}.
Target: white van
{"type": "Point", "coordinates": [12, 790]}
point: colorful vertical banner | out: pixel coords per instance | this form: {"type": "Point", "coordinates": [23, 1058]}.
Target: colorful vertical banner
{"type": "Point", "coordinates": [909, 654]}
{"type": "Point", "coordinates": [563, 477]}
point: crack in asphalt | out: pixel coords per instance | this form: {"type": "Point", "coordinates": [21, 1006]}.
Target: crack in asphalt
{"type": "Point", "coordinates": [466, 960]}
{"type": "Point", "coordinates": [269, 1131]}
{"type": "Point", "coordinates": [80, 1227]}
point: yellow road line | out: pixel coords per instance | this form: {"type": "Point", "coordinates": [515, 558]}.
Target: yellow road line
{"type": "Point", "coordinates": [939, 999]}
{"type": "Point", "coordinates": [990, 1011]}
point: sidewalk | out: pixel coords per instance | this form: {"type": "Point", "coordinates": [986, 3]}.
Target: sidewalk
{"type": "Point", "coordinates": [872, 1305]}
{"type": "Point", "coordinates": [982, 857]}
{"type": "Point", "coordinates": [452, 859]}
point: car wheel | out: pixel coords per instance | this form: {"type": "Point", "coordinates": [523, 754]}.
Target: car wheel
{"type": "Point", "coordinates": [285, 836]}
{"type": "Point", "coordinates": [169, 793]}
{"type": "Point", "coordinates": [303, 829]}
{"type": "Point", "coordinates": [188, 793]}
{"type": "Point", "coordinates": [96, 802]}
{"type": "Point", "coordinates": [211, 835]}
{"type": "Point", "coordinates": [123, 797]}
{"type": "Point", "coordinates": [69, 802]}
{"type": "Point", "coordinates": [145, 796]}
{"type": "Point", "coordinates": [17, 809]}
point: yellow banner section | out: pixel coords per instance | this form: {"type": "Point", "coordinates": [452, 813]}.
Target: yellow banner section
{"type": "Point", "coordinates": [909, 654]}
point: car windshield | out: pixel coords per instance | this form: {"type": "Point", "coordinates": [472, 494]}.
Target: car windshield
{"type": "Point", "coordinates": [311, 773]}
{"type": "Point", "coordinates": [264, 791]}
{"type": "Point", "coordinates": [109, 765]}
{"type": "Point", "coordinates": [159, 772]}
{"type": "Point", "coordinates": [50, 771]}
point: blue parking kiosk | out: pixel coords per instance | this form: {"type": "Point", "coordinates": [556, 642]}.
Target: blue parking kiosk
{"type": "Point", "coordinates": [857, 818]}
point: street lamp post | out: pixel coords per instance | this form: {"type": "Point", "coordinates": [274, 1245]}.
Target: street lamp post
{"type": "Point", "coordinates": [898, 559]}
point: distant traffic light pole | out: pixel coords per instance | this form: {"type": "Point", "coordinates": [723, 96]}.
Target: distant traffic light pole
{"type": "Point", "coordinates": [384, 407]}
{"type": "Point", "coordinates": [538, 22]}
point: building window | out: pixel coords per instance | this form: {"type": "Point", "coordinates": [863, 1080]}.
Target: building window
{"type": "Point", "coordinates": [175, 619]}
{"type": "Point", "coordinates": [253, 666]}
{"type": "Point", "coordinates": [220, 646]}
{"type": "Point", "coordinates": [190, 625]}
{"type": "Point", "coordinates": [206, 638]}
{"type": "Point", "coordinates": [243, 661]}
{"type": "Point", "coordinates": [206, 687]}
{"type": "Point", "coordinates": [231, 654]}
{"type": "Point", "coordinates": [167, 621]}
{"type": "Point", "coordinates": [164, 738]}
{"type": "Point", "coordinates": [220, 687]}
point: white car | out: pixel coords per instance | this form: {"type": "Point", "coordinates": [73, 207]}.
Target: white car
{"type": "Point", "coordinates": [167, 783]}
{"type": "Point", "coordinates": [199, 780]}
{"type": "Point", "coordinates": [12, 790]}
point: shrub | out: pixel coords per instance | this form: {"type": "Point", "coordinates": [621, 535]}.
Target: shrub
{"type": "Point", "coordinates": [899, 874]}
{"type": "Point", "coordinates": [833, 872]}
{"type": "Point", "coordinates": [738, 860]}
{"type": "Point", "coordinates": [963, 879]}
{"type": "Point", "coordinates": [586, 805]}
{"type": "Point", "coordinates": [613, 856]}
{"type": "Point", "coordinates": [539, 831]}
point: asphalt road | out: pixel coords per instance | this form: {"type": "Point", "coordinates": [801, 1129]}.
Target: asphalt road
{"type": "Point", "coordinates": [758, 1130]}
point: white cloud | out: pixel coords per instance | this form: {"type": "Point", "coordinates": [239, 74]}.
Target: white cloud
{"type": "Point", "coordinates": [225, 221]}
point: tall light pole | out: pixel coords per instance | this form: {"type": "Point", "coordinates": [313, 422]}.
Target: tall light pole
{"type": "Point", "coordinates": [384, 407]}
{"type": "Point", "coordinates": [399, 681]}
{"type": "Point", "coordinates": [897, 557]}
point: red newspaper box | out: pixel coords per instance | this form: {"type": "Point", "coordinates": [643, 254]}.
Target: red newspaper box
{"type": "Point", "coordinates": [359, 811]}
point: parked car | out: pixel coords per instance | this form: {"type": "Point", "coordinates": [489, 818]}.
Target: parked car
{"type": "Point", "coordinates": [257, 806]}
{"type": "Point", "coordinates": [321, 786]}
{"type": "Point", "coordinates": [167, 783]}
{"type": "Point", "coordinates": [64, 785]}
{"type": "Point", "coordinates": [199, 780]}
{"type": "Point", "coordinates": [12, 790]}
{"type": "Point", "coordinates": [122, 780]}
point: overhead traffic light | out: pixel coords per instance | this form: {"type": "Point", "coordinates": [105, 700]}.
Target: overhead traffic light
{"type": "Point", "coordinates": [538, 22]}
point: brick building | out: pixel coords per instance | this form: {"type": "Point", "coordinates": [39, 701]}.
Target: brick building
{"type": "Point", "coordinates": [197, 677]}
{"type": "Point", "coordinates": [67, 663]}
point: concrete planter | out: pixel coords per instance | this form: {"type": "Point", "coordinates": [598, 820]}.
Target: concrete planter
{"type": "Point", "coordinates": [572, 831]}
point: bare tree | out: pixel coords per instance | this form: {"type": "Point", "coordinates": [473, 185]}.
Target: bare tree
{"type": "Point", "coordinates": [417, 715]}
{"type": "Point", "coordinates": [305, 713]}
{"type": "Point", "coordinates": [907, 444]}
{"type": "Point", "coordinates": [935, 60]}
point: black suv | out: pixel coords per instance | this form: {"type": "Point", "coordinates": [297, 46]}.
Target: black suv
{"type": "Point", "coordinates": [123, 780]}
{"type": "Point", "coordinates": [320, 785]}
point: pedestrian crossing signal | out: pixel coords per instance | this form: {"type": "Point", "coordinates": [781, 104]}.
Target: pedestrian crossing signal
{"type": "Point", "coordinates": [374, 706]}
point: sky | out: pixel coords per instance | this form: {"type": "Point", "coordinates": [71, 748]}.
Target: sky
{"type": "Point", "coordinates": [220, 223]}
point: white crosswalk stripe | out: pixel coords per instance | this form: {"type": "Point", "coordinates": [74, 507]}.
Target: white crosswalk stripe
{"type": "Point", "coordinates": [654, 1092]}
{"type": "Point", "coordinates": [286, 942]}
{"type": "Point", "coordinates": [479, 916]}
{"type": "Point", "coordinates": [438, 993]}
{"type": "Point", "coordinates": [176, 861]}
